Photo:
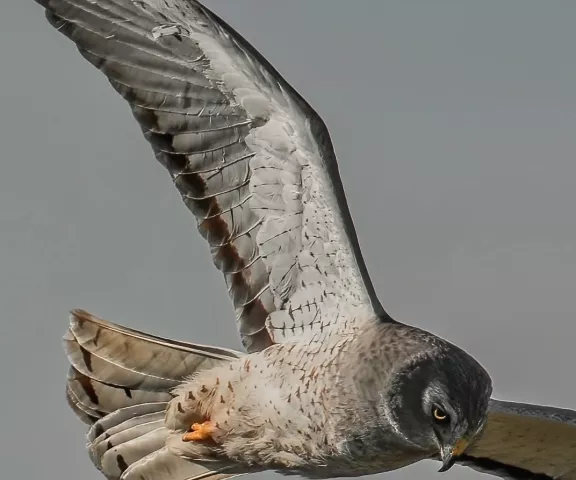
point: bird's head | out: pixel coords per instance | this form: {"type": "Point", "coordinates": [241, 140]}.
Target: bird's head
{"type": "Point", "coordinates": [438, 402]}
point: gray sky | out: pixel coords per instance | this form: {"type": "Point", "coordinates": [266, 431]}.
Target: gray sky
{"type": "Point", "coordinates": [454, 125]}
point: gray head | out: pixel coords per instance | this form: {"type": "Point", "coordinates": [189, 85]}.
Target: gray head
{"type": "Point", "coordinates": [438, 401]}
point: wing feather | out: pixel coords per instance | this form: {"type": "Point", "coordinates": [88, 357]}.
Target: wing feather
{"type": "Point", "coordinates": [523, 441]}
{"type": "Point", "coordinates": [250, 158]}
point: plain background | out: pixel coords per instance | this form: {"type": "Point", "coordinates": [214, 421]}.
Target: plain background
{"type": "Point", "coordinates": [454, 122]}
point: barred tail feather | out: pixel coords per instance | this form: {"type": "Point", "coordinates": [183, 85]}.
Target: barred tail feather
{"type": "Point", "coordinates": [162, 465]}
{"type": "Point", "coordinates": [119, 382]}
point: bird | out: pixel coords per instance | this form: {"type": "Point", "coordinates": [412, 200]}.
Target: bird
{"type": "Point", "coordinates": [329, 383]}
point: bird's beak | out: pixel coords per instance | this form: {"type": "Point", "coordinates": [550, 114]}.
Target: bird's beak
{"type": "Point", "coordinates": [450, 454]}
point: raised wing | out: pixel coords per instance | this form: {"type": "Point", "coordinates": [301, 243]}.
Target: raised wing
{"type": "Point", "coordinates": [250, 157]}
{"type": "Point", "coordinates": [524, 441]}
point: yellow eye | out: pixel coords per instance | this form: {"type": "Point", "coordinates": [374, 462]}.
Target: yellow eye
{"type": "Point", "coordinates": [440, 415]}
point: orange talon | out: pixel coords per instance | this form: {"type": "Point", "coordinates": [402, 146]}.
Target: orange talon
{"type": "Point", "coordinates": [200, 432]}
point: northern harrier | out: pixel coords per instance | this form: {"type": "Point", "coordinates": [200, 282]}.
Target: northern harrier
{"type": "Point", "coordinates": [330, 384]}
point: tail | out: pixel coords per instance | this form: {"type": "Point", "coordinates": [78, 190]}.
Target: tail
{"type": "Point", "coordinates": [119, 383]}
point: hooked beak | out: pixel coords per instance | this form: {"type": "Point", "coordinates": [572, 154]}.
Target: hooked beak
{"type": "Point", "coordinates": [450, 454]}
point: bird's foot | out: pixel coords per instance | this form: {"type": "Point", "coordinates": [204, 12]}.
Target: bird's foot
{"type": "Point", "coordinates": [200, 432]}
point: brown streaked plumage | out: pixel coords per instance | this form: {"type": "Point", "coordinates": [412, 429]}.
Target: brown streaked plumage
{"type": "Point", "coordinates": [331, 385]}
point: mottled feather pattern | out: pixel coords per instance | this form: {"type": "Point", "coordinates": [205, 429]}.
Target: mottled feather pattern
{"type": "Point", "coordinates": [255, 165]}
{"type": "Point", "coordinates": [251, 159]}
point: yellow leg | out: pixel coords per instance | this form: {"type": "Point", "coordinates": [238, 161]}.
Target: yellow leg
{"type": "Point", "coordinates": [199, 432]}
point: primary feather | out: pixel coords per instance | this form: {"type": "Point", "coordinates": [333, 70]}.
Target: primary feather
{"type": "Point", "coordinates": [251, 159]}
{"type": "Point", "coordinates": [526, 441]}
{"type": "Point", "coordinates": [254, 163]}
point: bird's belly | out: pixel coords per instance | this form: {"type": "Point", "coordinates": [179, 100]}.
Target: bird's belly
{"type": "Point", "coordinates": [277, 410]}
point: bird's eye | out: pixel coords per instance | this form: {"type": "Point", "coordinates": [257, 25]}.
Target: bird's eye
{"type": "Point", "coordinates": [440, 416]}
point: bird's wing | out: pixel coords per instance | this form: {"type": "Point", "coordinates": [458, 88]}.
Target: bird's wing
{"type": "Point", "coordinates": [524, 441]}
{"type": "Point", "coordinates": [251, 159]}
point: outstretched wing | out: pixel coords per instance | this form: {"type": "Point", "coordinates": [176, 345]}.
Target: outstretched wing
{"type": "Point", "coordinates": [250, 157]}
{"type": "Point", "coordinates": [524, 441]}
